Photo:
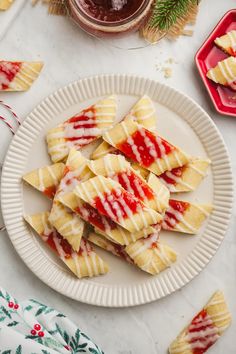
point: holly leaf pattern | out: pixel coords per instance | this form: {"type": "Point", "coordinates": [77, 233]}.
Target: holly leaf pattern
{"type": "Point", "coordinates": [19, 350]}
{"type": "Point", "coordinates": [6, 312]}
{"type": "Point", "coordinates": [12, 324]}
{"type": "Point", "coordinates": [60, 315]}
{"type": "Point", "coordinates": [28, 308]}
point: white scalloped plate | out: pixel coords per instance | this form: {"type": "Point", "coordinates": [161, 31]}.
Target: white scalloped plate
{"type": "Point", "coordinates": [181, 121]}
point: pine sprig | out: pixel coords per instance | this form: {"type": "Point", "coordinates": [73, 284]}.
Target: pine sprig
{"type": "Point", "coordinates": [167, 12]}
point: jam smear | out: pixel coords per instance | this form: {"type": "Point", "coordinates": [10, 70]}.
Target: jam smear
{"type": "Point", "coordinates": [171, 218]}
{"type": "Point", "coordinates": [116, 204]}
{"type": "Point", "coordinates": [66, 248]}
{"type": "Point", "coordinates": [135, 185]}
{"type": "Point", "coordinates": [201, 333]}
{"type": "Point", "coordinates": [92, 216]}
{"type": "Point", "coordinates": [64, 244]}
{"type": "Point", "coordinates": [8, 71]}
{"type": "Point", "coordinates": [157, 147]}
{"type": "Point", "coordinates": [50, 191]}
{"type": "Point", "coordinates": [177, 172]}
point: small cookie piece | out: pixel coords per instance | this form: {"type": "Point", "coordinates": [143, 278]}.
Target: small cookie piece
{"type": "Point", "coordinates": [227, 43]}
{"type": "Point", "coordinates": [205, 328]}
{"type": "Point", "coordinates": [18, 75]}
{"type": "Point", "coordinates": [84, 263]}
{"type": "Point", "coordinates": [224, 73]}
{"type": "Point", "coordinates": [81, 129]}
{"type": "Point", "coordinates": [145, 147]}
{"type": "Point", "coordinates": [185, 217]}
{"type": "Point", "coordinates": [113, 201]}
{"type": "Point", "coordinates": [186, 178]}
{"type": "Point", "coordinates": [46, 179]}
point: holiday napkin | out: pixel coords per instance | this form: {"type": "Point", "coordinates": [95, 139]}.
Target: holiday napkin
{"type": "Point", "coordinates": [30, 327]}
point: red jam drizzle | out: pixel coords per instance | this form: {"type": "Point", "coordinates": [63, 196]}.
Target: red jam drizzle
{"type": "Point", "coordinates": [135, 185]}
{"type": "Point", "coordinates": [8, 71]}
{"type": "Point", "coordinates": [177, 172]}
{"type": "Point", "coordinates": [118, 202]}
{"type": "Point", "coordinates": [231, 51]}
{"type": "Point", "coordinates": [93, 217]}
{"type": "Point", "coordinates": [110, 10]}
{"type": "Point", "coordinates": [170, 217]}
{"type": "Point", "coordinates": [50, 191]}
{"type": "Point", "coordinates": [120, 252]}
{"type": "Point", "coordinates": [85, 120]}
{"type": "Point", "coordinates": [201, 341]}
{"type": "Point", "coordinates": [66, 247]}
{"type": "Point", "coordinates": [146, 157]}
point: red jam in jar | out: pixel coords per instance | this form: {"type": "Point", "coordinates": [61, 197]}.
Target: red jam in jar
{"type": "Point", "coordinates": [109, 17]}
{"type": "Point", "coordinates": [110, 10]}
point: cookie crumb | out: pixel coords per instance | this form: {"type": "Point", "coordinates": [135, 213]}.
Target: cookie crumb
{"type": "Point", "coordinates": [167, 72]}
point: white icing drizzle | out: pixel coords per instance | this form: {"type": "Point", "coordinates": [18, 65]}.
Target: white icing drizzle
{"type": "Point", "coordinates": [101, 264]}
{"type": "Point", "coordinates": [41, 180]}
{"type": "Point", "coordinates": [198, 170]}
{"type": "Point", "coordinates": [52, 174]}
{"type": "Point", "coordinates": [174, 221]}
{"type": "Point", "coordinates": [130, 141]}
{"type": "Point", "coordinates": [58, 246]}
{"type": "Point", "coordinates": [177, 180]}
{"type": "Point", "coordinates": [23, 76]}
{"type": "Point", "coordinates": [204, 211]}
{"type": "Point", "coordinates": [77, 264]}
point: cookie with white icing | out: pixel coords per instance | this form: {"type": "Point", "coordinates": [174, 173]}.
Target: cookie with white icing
{"type": "Point", "coordinates": [204, 329]}
{"type": "Point", "coordinates": [185, 217]}
{"type": "Point", "coordinates": [46, 179]}
{"type": "Point", "coordinates": [84, 263]}
{"type": "Point", "coordinates": [146, 148]}
{"type": "Point", "coordinates": [110, 199]}
{"type": "Point", "coordinates": [67, 223]}
{"type": "Point", "coordinates": [18, 75]}
{"type": "Point", "coordinates": [81, 129]}
{"type": "Point", "coordinates": [151, 255]}
{"type": "Point", "coordinates": [148, 254]}
{"type": "Point", "coordinates": [227, 42]}
{"type": "Point", "coordinates": [224, 73]}
{"type": "Point", "coordinates": [186, 178]}
{"type": "Point", "coordinates": [119, 169]}
{"type": "Point", "coordinates": [144, 113]}
{"type": "Point", "coordinates": [101, 223]}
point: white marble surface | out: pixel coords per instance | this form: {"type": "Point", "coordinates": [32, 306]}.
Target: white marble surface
{"type": "Point", "coordinates": [68, 55]}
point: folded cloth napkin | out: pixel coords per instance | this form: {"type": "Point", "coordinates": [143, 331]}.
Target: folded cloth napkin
{"type": "Point", "coordinates": [30, 327]}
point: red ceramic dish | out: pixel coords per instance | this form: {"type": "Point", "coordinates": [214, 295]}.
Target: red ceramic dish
{"type": "Point", "coordinates": [224, 99]}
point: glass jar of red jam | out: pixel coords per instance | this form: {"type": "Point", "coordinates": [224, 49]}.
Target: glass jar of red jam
{"type": "Point", "coordinates": [109, 18]}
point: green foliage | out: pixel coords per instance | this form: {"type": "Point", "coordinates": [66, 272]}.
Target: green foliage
{"type": "Point", "coordinates": [167, 12]}
{"type": "Point", "coordinates": [19, 350]}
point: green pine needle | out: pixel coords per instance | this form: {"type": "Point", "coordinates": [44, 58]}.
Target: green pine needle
{"type": "Point", "coordinates": [167, 12]}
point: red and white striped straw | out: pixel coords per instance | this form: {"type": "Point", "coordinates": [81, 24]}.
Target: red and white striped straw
{"type": "Point", "coordinates": [12, 112]}
{"type": "Point", "coordinates": [8, 124]}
